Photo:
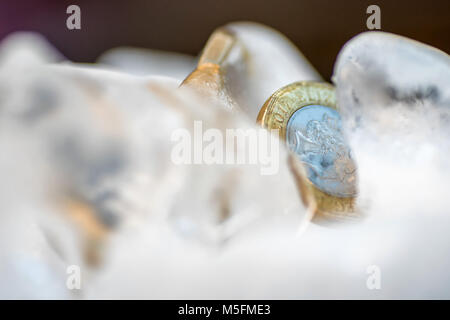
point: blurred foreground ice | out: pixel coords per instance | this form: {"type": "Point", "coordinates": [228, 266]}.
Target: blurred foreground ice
{"type": "Point", "coordinates": [88, 180]}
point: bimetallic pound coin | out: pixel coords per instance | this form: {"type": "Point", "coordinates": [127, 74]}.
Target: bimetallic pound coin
{"type": "Point", "coordinates": [306, 118]}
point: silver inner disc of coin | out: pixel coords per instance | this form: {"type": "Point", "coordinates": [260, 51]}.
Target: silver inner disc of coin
{"type": "Point", "coordinates": [314, 134]}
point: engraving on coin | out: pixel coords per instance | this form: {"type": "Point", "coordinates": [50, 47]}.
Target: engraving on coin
{"type": "Point", "coordinates": [314, 134]}
{"type": "Point", "coordinates": [306, 117]}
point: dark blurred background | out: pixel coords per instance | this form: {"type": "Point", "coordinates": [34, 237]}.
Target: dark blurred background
{"type": "Point", "coordinates": [318, 27]}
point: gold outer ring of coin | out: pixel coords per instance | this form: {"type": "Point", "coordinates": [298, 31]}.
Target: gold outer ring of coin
{"type": "Point", "coordinates": [275, 114]}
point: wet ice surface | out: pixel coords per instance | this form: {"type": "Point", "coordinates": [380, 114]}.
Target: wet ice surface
{"type": "Point", "coordinates": [263, 61]}
{"type": "Point", "coordinates": [145, 61]}
{"type": "Point", "coordinates": [254, 62]}
{"type": "Point", "coordinates": [72, 135]}
{"type": "Point", "coordinates": [394, 96]}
